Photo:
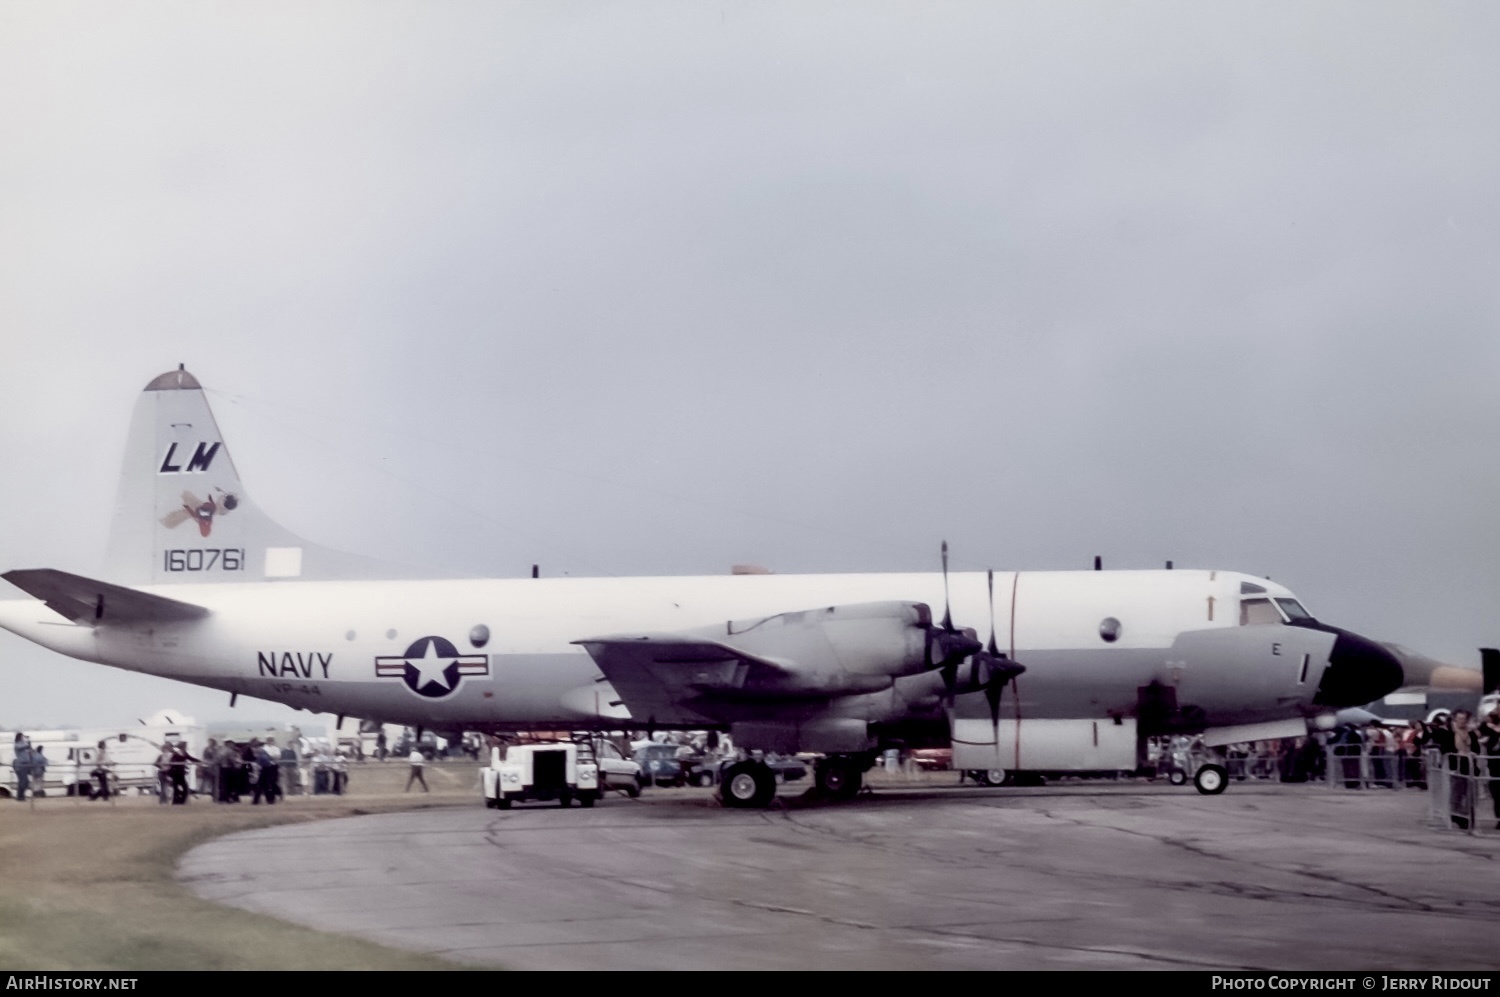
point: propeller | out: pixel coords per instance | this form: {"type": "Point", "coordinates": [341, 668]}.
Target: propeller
{"type": "Point", "coordinates": [948, 646]}
{"type": "Point", "coordinates": [989, 669]}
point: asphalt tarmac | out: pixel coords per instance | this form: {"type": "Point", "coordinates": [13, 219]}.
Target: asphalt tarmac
{"type": "Point", "coordinates": [1091, 876]}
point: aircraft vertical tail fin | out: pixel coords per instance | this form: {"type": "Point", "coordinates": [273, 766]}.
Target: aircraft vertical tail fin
{"type": "Point", "coordinates": [1490, 662]}
{"type": "Point", "coordinates": [182, 513]}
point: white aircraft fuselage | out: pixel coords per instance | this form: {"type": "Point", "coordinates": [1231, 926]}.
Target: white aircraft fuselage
{"type": "Point", "coordinates": [203, 587]}
{"type": "Point", "coordinates": [341, 647]}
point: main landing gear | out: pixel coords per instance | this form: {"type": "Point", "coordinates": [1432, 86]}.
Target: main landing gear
{"type": "Point", "coordinates": [748, 784]}
{"type": "Point", "coordinates": [839, 777]}
{"type": "Point", "coordinates": [752, 784]}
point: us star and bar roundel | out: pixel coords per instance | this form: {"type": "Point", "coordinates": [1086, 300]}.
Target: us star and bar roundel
{"type": "Point", "coordinates": [432, 667]}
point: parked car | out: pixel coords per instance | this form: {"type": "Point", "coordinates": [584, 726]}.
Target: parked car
{"type": "Point", "coordinates": [659, 764]}
{"type": "Point", "coordinates": [429, 744]}
{"type": "Point", "coordinates": [618, 772]}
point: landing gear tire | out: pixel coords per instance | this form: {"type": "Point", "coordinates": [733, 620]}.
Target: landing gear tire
{"type": "Point", "coordinates": [1177, 777]}
{"type": "Point", "coordinates": [838, 778]}
{"type": "Point", "coordinates": [1210, 780]}
{"type": "Point", "coordinates": [503, 803]}
{"type": "Point", "coordinates": [748, 785]}
{"type": "Point", "coordinates": [586, 800]}
{"type": "Point", "coordinates": [633, 790]}
{"type": "Point", "coordinates": [565, 800]}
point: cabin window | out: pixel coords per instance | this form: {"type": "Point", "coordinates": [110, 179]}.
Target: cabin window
{"type": "Point", "coordinates": [1293, 610]}
{"type": "Point", "coordinates": [1254, 611]}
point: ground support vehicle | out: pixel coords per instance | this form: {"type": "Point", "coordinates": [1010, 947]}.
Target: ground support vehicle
{"type": "Point", "coordinates": [563, 771]}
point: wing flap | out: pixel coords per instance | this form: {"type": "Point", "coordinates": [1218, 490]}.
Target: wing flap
{"type": "Point", "coordinates": [90, 601]}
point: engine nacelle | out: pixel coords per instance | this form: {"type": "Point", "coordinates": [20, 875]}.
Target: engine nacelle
{"type": "Point", "coordinates": [862, 647]}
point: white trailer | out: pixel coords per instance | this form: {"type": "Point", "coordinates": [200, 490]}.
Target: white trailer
{"type": "Point", "coordinates": [73, 755]}
{"type": "Point", "coordinates": [552, 771]}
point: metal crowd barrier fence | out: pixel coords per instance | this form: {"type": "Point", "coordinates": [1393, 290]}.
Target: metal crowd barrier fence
{"type": "Point", "coordinates": [1462, 790]}
{"type": "Point", "coordinates": [1242, 767]}
{"type": "Point", "coordinates": [1357, 766]}
{"type": "Point", "coordinates": [1465, 792]}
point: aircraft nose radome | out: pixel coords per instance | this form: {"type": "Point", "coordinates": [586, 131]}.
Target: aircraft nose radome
{"type": "Point", "coordinates": [1359, 671]}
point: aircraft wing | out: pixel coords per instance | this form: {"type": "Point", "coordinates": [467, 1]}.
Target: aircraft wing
{"type": "Point", "coordinates": [660, 676]}
{"type": "Point", "coordinates": [89, 601]}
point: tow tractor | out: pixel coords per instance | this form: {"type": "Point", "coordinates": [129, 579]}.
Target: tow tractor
{"type": "Point", "coordinates": [563, 771]}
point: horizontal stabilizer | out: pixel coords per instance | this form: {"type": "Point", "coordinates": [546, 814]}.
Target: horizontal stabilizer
{"type": "Point", "coordinates": [660, 676]}
{"type": "Point", "coordinates": [88, 601]}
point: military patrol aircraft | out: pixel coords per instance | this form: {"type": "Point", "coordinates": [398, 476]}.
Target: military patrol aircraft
{"type": "Point", "coordinates": [1077, 667]}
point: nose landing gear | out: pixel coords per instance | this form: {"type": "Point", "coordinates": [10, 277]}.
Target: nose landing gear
{"type": "Point", "coordinates": [1210, 780]}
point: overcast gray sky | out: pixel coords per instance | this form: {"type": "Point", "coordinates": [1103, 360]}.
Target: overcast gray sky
{"type": "Point", "coordinates": [636, 288]}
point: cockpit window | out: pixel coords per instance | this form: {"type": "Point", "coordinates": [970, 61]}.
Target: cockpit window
{"type": "Point", "coordinates": [1258, 611]}
{"type": "Point", "coordinates": [1293, 609]}
{"type": "Point", "coordinates": [1250, 588]}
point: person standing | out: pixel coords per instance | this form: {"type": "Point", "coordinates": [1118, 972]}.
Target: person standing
{"type": "Point", "coordinates": [1379, 745]}
{"type": "Point", "coordinates": [208, 771]}
{"type": "Point", "coordinates": [21, 763]}
{"type": "Point", "coordinates": [417, 761]}
{"type": "Point", "coordinates": [229, 766]}
{"type": "Point", "coordinates": [177, 768]}
{"type": "Point", "coordinates": [305, 767]}
{"type": "Point", "coordinates": [266, 782]}
{"type": "Point", "coordinates": [39, 771]}
{"type": "Point", "coordinates": [101, 771]}
{"type": "Point", "coordinates": [1489, 743]}
{"type": "Point", "coordinates": [163, 772]}
{"type": "Point", "coordinates": [290, 781]}
{"type": "Point", "coordinates": [1459, 746]}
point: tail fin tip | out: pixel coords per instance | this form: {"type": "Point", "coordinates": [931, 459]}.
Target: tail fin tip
{"type": "Point", "coordinates": [174, 380]}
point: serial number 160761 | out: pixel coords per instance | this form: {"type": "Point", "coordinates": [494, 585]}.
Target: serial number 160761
{"type": "Point", "coordinates": [204, 559]}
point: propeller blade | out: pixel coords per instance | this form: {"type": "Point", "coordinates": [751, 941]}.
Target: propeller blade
{"type": "Point", "coordinates": [992, 648]}
{"type": "Point", "coordinates": [992, 693]}
{"type": "Point", "coordinates": [947, 610]}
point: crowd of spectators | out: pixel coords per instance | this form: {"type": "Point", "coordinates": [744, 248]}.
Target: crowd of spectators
{"type": "Point", "coordinates": [262, 770]}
